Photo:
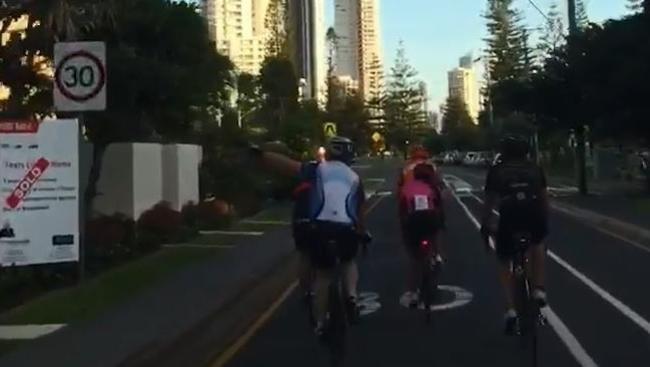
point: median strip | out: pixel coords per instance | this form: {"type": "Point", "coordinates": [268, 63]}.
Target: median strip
{"type": "Point", "coordinates": [27, 332]}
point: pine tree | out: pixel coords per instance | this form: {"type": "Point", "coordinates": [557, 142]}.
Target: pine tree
{"type": "Point", "coordinates": [458, 126]}
{"type": "Point", "coordinates": [635, 6]}
{"type": "Point", "coordinates": [582, 18]}
{"type": "Point", "coordinates": [402, 105]}
{"type": "Point", "coordinates": [553, 35]}
{"type": "Point", "coordinates": [505, 50]}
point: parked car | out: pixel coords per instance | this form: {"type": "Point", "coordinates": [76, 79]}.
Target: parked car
{"type": "Point", "coordinates": [449, 158]}
{"type": "Point", "coordinates": [470, 158]}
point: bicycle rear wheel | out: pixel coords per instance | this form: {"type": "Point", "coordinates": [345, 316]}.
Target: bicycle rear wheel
{"type": "Point", "coordinates": [338, 324]}
{"type": "Point", "coordinates": [425, 290]}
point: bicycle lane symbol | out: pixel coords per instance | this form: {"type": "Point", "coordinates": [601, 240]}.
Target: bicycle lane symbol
{"type": "Point", "coordinates": [460, 297]}
{"type": "Point", "coordinates": [368, 303]}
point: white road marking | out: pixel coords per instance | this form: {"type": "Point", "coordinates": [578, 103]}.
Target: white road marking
{"type": "Point", "coordinates": [384, 193]}
{"type": "Point", "coordinates": [620, 306]}
{"type": "Point", "coordinates": [567, 337]}
{"type": "Point", "coordinates": [369, 303]}
{"type": "Point", "coordinates": [461, 298]}
{"type": "Point", "coordinates": [197, 245]}
{"type": "Point", "coordinates": [27, 332]}
{"type": "Point", "coordinates": [233, 233]}
{"type": "Point", "coordinates": [266, 222]}
{"type": "Point", "coordinates": [623, 308]}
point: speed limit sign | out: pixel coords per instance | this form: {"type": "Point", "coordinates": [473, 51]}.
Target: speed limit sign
{"type": "Point", "coordinates": [80, 76]}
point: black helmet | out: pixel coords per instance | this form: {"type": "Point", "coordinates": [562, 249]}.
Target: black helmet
{"type": "Point", "coordinates": [340, 149]}
{"type": "Point", "coordinates": [514, 147]}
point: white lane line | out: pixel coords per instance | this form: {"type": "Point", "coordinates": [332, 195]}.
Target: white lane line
{"type": "Point", "coordinates": [567, 337]}
{"type": "Point", "coordinates": [623, 308]}
{"type": "Point", "coordinates": [233, 233]}
{"type": "Point", "coordinates": [27, 332]}
{"type": "Point", "coordinates": [197, 245]}
{"type": "Point", "coordinates": [266, 222]}
{"type": "Point", "coordinates": [620, 306]}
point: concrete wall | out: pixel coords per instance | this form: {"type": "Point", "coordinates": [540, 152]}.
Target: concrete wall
{"type": "Point", "coordinates": [181, 174]}
{"type": "Point", "coordinates": [137, 176]}
{"type": "Point", "coordinates": [147, 177]}
{"type": "Point", "coordinates": [114, 189]}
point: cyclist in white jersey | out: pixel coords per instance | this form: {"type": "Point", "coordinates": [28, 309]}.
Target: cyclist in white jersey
{"type": "Point", "coordinates": [337, 212]}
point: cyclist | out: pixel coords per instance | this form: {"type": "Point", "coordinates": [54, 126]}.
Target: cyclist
{"type": "Point", "coordinates": [419, 169]}
{"type": "Point", "coordinates": [302, 230]}
{"type": "Point", "coordinates": [517, 188]}
{"type": "Point", "coordinates": [337, 212]}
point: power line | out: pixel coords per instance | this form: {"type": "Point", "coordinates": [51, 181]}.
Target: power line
{"type": "Point", "coordinates": [538, 9]}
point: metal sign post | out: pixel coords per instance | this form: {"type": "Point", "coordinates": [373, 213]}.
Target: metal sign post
{"type": "Point", "coordinates": [80, 78]}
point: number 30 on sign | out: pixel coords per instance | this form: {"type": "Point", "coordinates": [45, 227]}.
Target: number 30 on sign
{"type": "Point", "coordinates": [80, 76]}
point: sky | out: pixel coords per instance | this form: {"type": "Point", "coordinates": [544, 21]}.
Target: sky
{"type": "Point", "coordinates": [436, 33]}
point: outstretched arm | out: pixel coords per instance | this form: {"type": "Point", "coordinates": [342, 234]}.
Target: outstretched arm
{"type": "Point", "coordinates": [280, 163]}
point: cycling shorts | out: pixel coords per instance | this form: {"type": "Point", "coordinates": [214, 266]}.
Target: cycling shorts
{"type": "Point", "coordinates": [420, 226]}
{"type": "Point", "coordinates": [331, 242]}
{"type": "Point", "coordinates": [303, 235]}
{"type": "Point", "coordinates": [536, 224]}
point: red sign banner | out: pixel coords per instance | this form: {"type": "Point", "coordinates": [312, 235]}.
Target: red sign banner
{"type": "Point", "coordinates": [26, 184]}
{"type": "Point", "coordinates": [14, 127]}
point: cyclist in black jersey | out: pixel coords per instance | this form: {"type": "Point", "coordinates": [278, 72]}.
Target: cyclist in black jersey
{"type": "Point", "coordinates": [516, 187]}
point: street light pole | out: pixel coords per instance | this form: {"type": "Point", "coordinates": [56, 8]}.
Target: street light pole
{"type": "Point", "coordinates": [580, 128]}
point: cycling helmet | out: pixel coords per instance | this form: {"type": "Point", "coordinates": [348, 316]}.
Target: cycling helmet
{"type": "Point", "coordinates": [514, 147]}
{"type": "Point", "coordinates": [340, 149]}
{"type": "Point", "coordinates": [418, 152]}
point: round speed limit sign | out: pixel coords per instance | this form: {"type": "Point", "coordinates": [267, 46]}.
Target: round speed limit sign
{"type": "Point", "coordinates": [80, 76]}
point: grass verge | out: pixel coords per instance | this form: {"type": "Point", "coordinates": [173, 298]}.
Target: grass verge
{"type": "Point", "coordinates": [106, 290]}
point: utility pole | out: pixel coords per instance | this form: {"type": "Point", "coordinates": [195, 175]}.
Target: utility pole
{"type": "Point", "coordinates": [580, 128]}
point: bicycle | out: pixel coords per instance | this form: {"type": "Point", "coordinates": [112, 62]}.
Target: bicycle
{"type": "Point", "coordinates": [429, 271]}
{"type": "Point", "coordinates": [338, 307]}
{"type": "Point", "coordinates": [527, 307]}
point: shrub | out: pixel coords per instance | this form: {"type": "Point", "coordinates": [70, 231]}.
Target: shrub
{"type": "Point", "coordinates": [158, 225]}
{"type": "Point", "coordinates": [190, 214]}
{"type": "Point", "coordinates": [110, 238]}
{"type": "Point", "coordinates": [215, 214]}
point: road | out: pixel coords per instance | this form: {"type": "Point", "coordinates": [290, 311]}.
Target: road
{"type": "Point", "coordinates": [597, 285]}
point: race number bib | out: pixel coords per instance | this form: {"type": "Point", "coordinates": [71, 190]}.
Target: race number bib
{"type": "Point", "coordinates": [421, 203]}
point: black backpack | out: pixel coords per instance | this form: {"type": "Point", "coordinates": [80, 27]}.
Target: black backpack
{"type": "Point", "coordinates": [521, 186]}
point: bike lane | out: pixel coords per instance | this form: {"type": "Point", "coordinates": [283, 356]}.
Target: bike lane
{"type": "Point", "coordinates": [468, 335]}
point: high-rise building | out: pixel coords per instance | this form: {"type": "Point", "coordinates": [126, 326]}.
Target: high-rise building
{"type": "Point", "coordinates": [463, 85]}
{"type": "Point", "coordinates": [307, 32]}
{"type": "Point", "coordinates": [466, 61]}
{"type": "Point", "coordinates": [358, 54]}
{"type": "Point", "coordinates": [238, 30]}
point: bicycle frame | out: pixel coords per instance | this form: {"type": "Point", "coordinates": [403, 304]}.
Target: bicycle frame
{"type": "Point", "coordinates": [527, 308]}
{"type": "Point", "coordinates": [429, 274]}
{"type": "Point", "coordinates": [338, 322]}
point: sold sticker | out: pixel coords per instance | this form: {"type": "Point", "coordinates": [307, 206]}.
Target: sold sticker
{"type": "Point", "coordinates": [26, 184]}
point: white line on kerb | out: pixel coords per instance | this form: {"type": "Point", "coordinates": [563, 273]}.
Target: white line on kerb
{"type": "Point", "coordinates": [567, 337]}
{"type": "Point", "coordinates": [622, 307]}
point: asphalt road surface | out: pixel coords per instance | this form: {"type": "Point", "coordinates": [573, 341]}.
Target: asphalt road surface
{"type": "Point", "coordinates": [597, 286]}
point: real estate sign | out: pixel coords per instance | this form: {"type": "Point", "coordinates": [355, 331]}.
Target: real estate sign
{"type": "Point", "coordinates": [39, 192]}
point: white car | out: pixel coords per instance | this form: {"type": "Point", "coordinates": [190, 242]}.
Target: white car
{"type": "Point", "coordinates": [470, 158]}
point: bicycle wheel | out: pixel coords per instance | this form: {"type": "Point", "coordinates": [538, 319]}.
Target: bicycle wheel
{"type": "Point", "coordinates": [337, 325]}
{"type": "Point", "coordinates": [425, 288]}
{"type": "Point", "coordinates": [534, 329]}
